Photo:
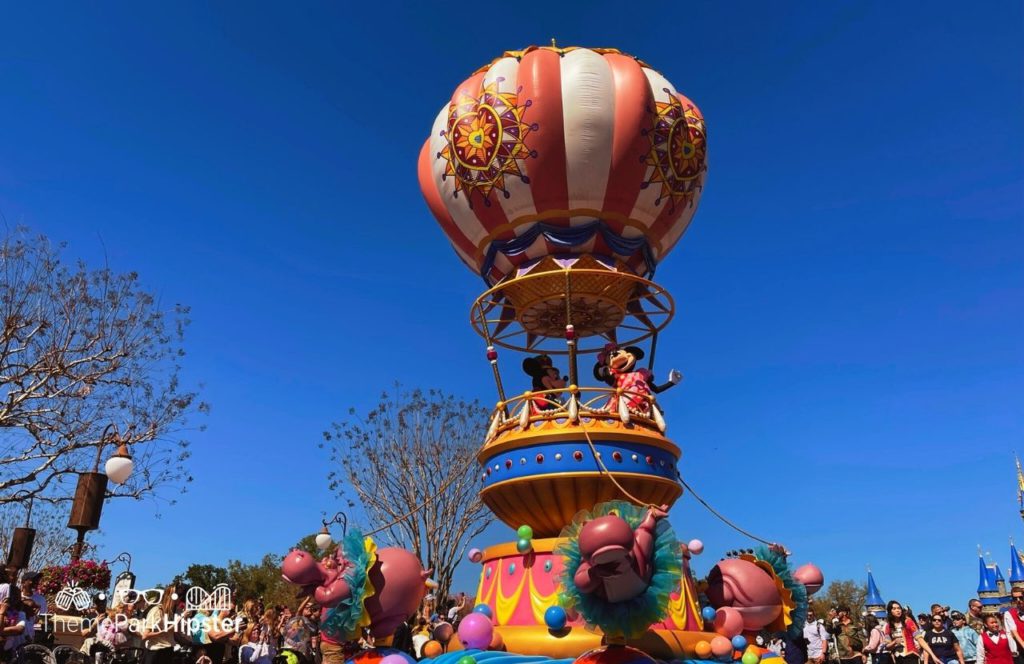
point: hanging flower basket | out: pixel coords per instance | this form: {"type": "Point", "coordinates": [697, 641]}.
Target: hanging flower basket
{"type": "Point", "coordinates": [85, 574]}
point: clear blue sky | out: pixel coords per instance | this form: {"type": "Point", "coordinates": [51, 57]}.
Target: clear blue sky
{"type": "Point", "coordinates": [850, 291]}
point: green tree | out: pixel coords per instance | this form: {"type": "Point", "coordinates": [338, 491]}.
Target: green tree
{"type": "Point", "coordinates": [844, 592]}
{"type": "Point", "coordinates": [204, 576]}
{"type": "Point", "coordinates": [261, 581]}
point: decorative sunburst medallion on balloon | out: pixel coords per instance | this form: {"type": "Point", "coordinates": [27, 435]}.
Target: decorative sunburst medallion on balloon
{"type": "Point", "coordinates": [678, 150]}
{"type": "Point", "coordinates": [484, 142]}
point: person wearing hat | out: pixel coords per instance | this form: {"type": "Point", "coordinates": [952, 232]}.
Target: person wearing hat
{"type": "Point", "coordinates": [33, 601]}
{"type": "Point", "coordinates": [966, 635]}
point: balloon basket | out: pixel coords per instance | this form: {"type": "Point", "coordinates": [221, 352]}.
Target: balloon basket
{"type": "Point", "coordinates": [528, 311]}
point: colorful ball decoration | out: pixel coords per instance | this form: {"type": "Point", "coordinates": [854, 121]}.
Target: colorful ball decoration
{"type": "Point", "coordinates": [721, 646]}
{"type": "Point", "coordinates": [810, 575]}
{"type": "Point", "coordinates": [728, 622]}
{"type": "Point", "coordinates": [525, 532]}
{"type": "Point", "coordinates": [393, 659]}
{"type": "Point", "coordinates": [432, 649]}
{"type": "Point", "coordinates": [545, 138]}
{"type": "Point", "coordinates": [475, 631]}
{"type": "Point", "coordinates": [497, 643]}
{"type": "Point", "coordinates": [708, 613]}
{"type": "Point", "coordinates": [483, 609]}
{"type": "Point", "coordinates": [475, 555]}
{"type": "Point", "coordinates": [524, 545]}
{"type": "Point", "coordinates": [443, 632]}
{"type": "Point", "coordinates": [750, 658]}
{"type": "Point", "coordinates": [555, 618]}
{"type": "Point", "coordinates": [381, 656]}
{"type": "Point", "coordinates": [702, 649]}
{"type": "Point", "coordinates": [467, 659]}
{"type": "Point", "coordinates": [696, 547]}
{"type": "Point", "coordinates": [739, 642]}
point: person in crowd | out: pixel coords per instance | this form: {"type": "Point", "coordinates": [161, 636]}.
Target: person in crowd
{"type": "Point", "coordinates": [103, 631]}
{"type": "Point", "coordinates": [849, 639]}
{"type": "Point", "coordinates": [900, 629]}
{"type": "Point", "coordinates": [975, 620]}
{"type": "Point", "coordinates": [331, 651]}
{"type": "Point", "coordinates": [420, 636]}
{"type": "Point", "coordinates": [876, 647]}
{"type": "Point", "coordinates": [457, 607]}
{"type": "Point", "coordinates": [201, 657]}
{"type": "Point", "coordinates": [260, 636]}
{"type": "Point", "coordinates": [34, 602]}
{"type": "Point", "coordinates": [1013, 619]}
{"type": "Point", "coordinates": [299, 632]}
{"type": "Point", "coordinates": [221, 632]}
{"type": "Point", "coordinates": [939, 644]}
{"type": "Point", "coordinates": [968, 637]}
{"type": "Point", "coordinates": [943, 612]}
{"type": "Point", "coordinates": [12, 623]}
{"type": "Point", "coordinates": [402, 639]}
{"type": "Point", "coordinates": [995, 646]}
{"type": "Point", "coordinates": [817, 638]}
{"type": "Point", "coordinates": [157, 631]}
{"type": "Point", "coordinates": [794, 647]}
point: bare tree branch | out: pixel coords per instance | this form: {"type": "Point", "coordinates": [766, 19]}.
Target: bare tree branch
{"type": "Point", "coordinates": [81, 349]}
{"type": "Point", "coordinates": [409, 449]}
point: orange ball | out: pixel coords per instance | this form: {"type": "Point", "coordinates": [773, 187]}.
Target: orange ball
{"type": "Point", "coordinates": [702, 649]}
{"type": "Point", "coordinates": [497, 643]}
{"type": "Point", "coordinates": [721, 646]}
{"type": "Point", "coordinates": [432, 649]}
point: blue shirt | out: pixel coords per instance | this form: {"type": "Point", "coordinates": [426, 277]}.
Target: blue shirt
{"type": "Point", "coordinates": [968, 641]}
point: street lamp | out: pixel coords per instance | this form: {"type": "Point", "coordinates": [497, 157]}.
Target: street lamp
{"type": "Point", "coordinates": [323, 538]}
{"type": "Point", "coordinates": [92, 487]}
{"type": "Point", "coordinates": [22, 540]}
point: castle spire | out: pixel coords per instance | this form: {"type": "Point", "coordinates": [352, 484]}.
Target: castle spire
{"type": "Point", "coordinates": [874, 604]}
{"type": "Point", "coordinates": [988, 592]}
{"type": "Point", "coordinates": [1016, 568]}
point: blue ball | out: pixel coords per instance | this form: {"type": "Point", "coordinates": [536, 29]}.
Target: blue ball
{"type": "Point", "coordinates": [484, 609]}
{"type": "Point", "coordinates": [555, 618]}
{"type": "Point", "coordinates": [708, 613]}
{"type": "Point", "coordinates": [739, 642]}
{"type": "Point", "coordinates": [523, 545]}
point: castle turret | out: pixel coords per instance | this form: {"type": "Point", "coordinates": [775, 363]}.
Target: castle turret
{"type": "Point", "coordinates": [988, 591]}
{"type": "Point", "coordinates": [1016, 568]}
{"type": "Point", "coordinates": [874, 604]}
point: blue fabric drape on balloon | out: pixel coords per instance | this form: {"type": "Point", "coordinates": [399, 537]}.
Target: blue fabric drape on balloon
{"type": "Point", "coordinates": [572, 236]}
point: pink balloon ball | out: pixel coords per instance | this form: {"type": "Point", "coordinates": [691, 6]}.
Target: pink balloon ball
{"type": "Point", "coordinates": [393, 659]}
{"type": "Point", "coordinates": [721, 646]}
{"type": "Point", "coordinates": [728, 622]}
{"type": "Point", "coordinates": [475, 555]}
{"type": "Point", "coordinates": [810, 575]}
{"type": "Point", "coordinates": [475, 631]}
{"type": "Point", "coordinates": [696, 547]}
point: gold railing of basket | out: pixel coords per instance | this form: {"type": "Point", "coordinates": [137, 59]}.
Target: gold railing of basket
{"type": "Point", "coordinates": [597, 403]}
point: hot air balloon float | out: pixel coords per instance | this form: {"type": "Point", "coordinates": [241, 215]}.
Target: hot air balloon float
{"type": "Point", "coordinates": [563, 176]}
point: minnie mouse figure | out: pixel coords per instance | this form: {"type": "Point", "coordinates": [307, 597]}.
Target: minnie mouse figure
{"type": "Point", "coordinates": [617, 367]}
{"type": "Point", "coordinates": [545, 377]}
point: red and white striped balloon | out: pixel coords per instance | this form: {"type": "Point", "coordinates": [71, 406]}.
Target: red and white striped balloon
{"type": "Point", "coordinates": [570, 138]}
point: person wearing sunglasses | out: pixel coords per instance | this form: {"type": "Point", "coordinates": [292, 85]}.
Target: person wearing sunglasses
{"type": "Point", "coordinates": [968, 637]}
{"type": "Point", "coordinates": [940, 644]}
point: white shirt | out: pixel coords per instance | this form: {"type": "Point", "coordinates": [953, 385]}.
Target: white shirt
{"type": "Point", "coordinates": [995, 639]}
{"type": "Point", "coordinates": [816, 635]}
{"type": "Point", "coordinates": [5, 591]}
{"type": "Point", "coordinates": [1008, 623]}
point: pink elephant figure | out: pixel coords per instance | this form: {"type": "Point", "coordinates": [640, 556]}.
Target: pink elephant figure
{"type": "Point", "coordinates": [400, 583]}
{"type": "Point", "coordinates": [616, 561]}
{"type": "Point", "coordinates": [741, 584]}
{"type": "Point", "coordinates": [324, 581]}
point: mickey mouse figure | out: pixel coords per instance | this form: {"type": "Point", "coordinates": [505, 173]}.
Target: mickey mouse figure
{"type": "Point", "coordinates": [545, 377]}
{"type": "Point", "coordinates": [617, 367]}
